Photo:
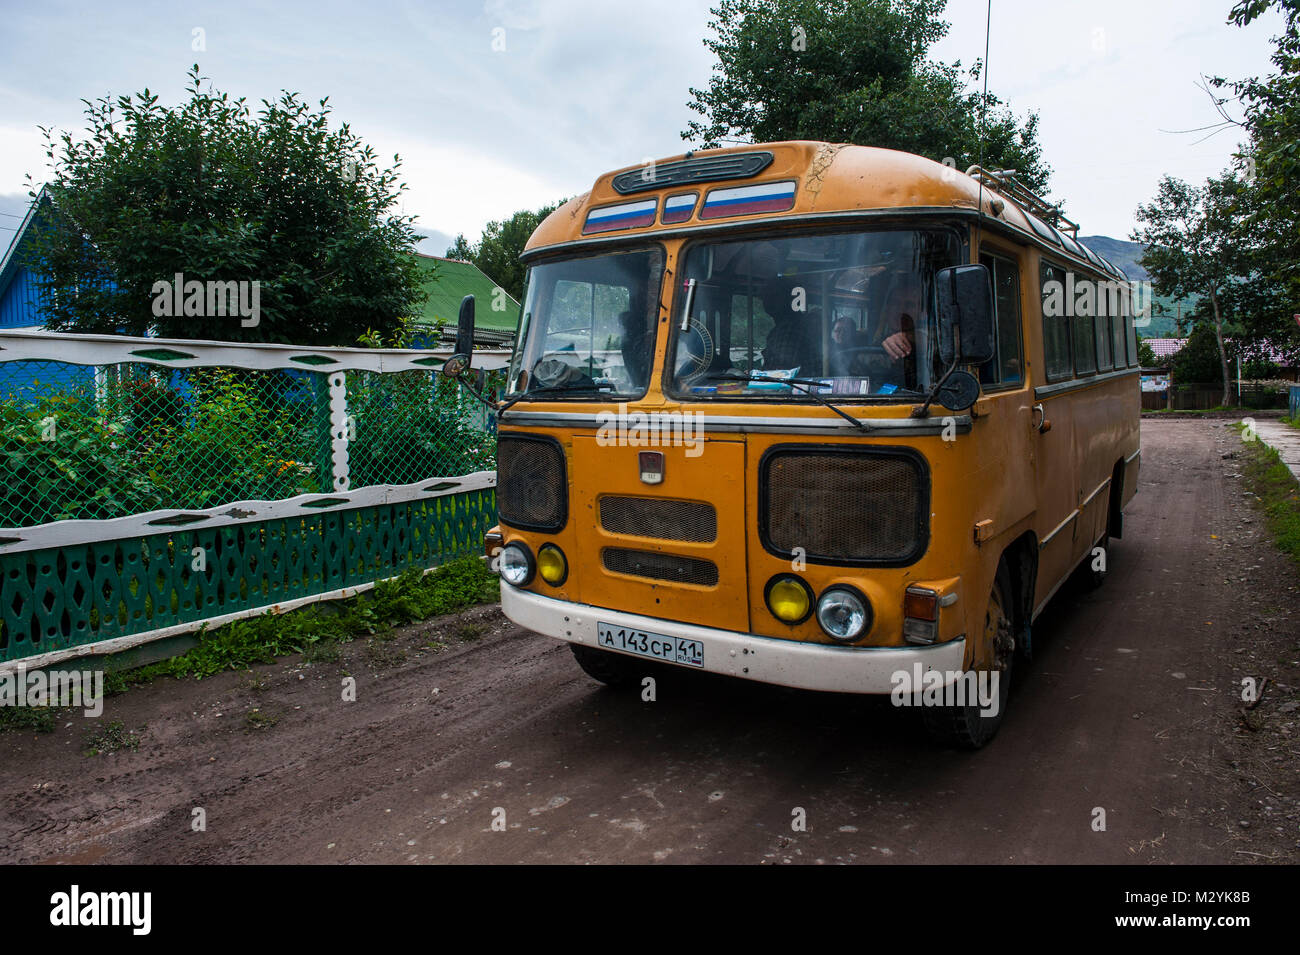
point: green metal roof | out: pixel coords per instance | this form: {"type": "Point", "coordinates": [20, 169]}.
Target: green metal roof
{"type": "Point", "coordinates": [448, 281]}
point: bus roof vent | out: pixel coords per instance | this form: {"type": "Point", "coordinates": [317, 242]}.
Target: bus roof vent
{"type": "Point", "coordinates": [685, 172]}
{"type": "Point", "coordinates": [1004, 181]}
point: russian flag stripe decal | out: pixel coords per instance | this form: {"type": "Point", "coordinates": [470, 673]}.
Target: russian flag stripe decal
{"type": "Point", "coordinates": [678, 208]}
{"type": "Point", "coordinates": [628, 215]}
{"type": "Point", "coordinates": [745, 200]}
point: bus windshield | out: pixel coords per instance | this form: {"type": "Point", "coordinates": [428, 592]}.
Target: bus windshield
{"type": "Point", "coordinates": [845, 314]}
{"type": "Point", "coordinates": [589, 326]}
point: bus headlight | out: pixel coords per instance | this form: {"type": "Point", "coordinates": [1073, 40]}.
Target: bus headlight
{"type": "Point", "coordinates": [517, 565]}
{"type": "Point", "coordinates": [789, 599]}
{"type": "Point", "coordinates": [844, 614]}
{"type": "Point", "coordinates": [552, 565]}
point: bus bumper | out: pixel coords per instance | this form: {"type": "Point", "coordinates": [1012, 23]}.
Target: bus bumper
{"type": "Point", "coordinates": [791, 663]}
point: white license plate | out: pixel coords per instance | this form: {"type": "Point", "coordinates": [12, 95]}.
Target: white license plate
{"type": "Point", "coordinates": [656, 646]}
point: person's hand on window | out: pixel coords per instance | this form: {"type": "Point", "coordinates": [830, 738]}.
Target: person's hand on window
{"type": "Point", "coordinates": [898, 345]}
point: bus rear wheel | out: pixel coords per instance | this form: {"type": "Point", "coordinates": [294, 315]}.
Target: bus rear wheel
{"type": "Point", "coordinates": [965, 725]}
{"type": "Point", "coordinates": [612, 669]}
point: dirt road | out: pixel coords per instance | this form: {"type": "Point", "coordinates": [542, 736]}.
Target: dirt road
{"type": "Point", "coordinates": [1131, 706]}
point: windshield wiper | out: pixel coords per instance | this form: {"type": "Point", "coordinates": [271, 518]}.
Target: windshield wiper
{"type": "Point", "coordinates": [795, 382]}
{"type": "Point", "coordinates": [552, 389]}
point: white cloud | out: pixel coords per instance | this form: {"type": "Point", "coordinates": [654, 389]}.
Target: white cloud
{"type": "Point", "coordinates": [585, 86]}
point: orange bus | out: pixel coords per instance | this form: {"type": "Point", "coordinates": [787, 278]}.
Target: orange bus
{"type": "Point", "coordinates": [823, 416]}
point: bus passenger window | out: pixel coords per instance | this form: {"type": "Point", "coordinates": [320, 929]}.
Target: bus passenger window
{"type": "Point", "coordinates": [1107, 305]}
{"type": "Point", "coordinates": [1081, 322]}
{"type": "Point", "coordinates": [1117, 327]}
{"type": "Point", "coordinates": [1006, 368]}
{"type": "Point", "coordinates": [1056, 323]}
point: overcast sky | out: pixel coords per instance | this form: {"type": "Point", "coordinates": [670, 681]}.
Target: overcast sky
{"type": "Point", "coordinates": [584, 86]}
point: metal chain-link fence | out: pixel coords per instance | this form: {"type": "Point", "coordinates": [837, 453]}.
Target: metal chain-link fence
{"type": "Point", "coordinates": [85, 442]}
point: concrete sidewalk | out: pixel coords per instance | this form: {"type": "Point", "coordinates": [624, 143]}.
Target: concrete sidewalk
{"type": "Point", "coordinates": [1284, 439]}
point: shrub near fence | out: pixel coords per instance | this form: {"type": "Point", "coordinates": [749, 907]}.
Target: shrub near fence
{"type": "Point", "coordinates": [193, 481]}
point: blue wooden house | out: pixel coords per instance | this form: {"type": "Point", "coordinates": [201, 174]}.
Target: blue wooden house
{"type": "Point", "coordinates": [20, 307]}
{"type": "Point", "coordinates": [20, 294]}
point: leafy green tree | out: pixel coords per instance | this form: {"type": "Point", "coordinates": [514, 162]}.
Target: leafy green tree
{"type": "Point", "coordinates": [1146, 357]}
{"type": "Point", "coordinates": [217, 193]}
{"type": "Point", "coordinates": [461, 249]}
{"type": "Point", "coordinates": [1268, 204]}
{"type": "Point", "coordinates": [1189, 231]}
{"type": "Point", "coordinates": [497, 251]}
{"type": "Point", "coordinates": [854, 71]}
{"type": "Point", "coordinates": [1198, 360]}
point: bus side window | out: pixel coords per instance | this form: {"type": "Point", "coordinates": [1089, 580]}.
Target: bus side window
{"type": "Point", "coordinates": [1117, 326]}
{"type": "Point", "coordinates": [1132, 338]}
{"type": "Point", "coordinates": [1056, 323]}
{"type": "Point", "coordinates": [1107, 305]}
{"type": "Point", "coordinates": [1006, 368]}
{"type": "Point", "coordinates": [1085, 342]}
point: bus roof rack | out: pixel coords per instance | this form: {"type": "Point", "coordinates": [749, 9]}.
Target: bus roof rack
{"type": "Point", "coordinates": [1004, 182]}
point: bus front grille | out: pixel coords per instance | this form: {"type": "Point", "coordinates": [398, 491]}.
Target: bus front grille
{"type": "Point", "coordinates": [693, 521]}
{"type": "Point", "coordinates": [642, 563]}
{"type": "Point", "coordinates": [532, 486]}
{"type": "Point", "coordinates": [844, 505]}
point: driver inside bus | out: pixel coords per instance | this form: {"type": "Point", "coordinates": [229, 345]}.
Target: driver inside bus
{"type": "Point", "coordinates": [895, 332]}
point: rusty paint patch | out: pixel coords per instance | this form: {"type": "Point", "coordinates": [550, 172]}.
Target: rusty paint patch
{"type": "Point", "coordinates": [826, 154]}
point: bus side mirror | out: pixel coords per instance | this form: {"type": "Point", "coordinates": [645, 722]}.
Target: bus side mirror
{"type": "Point", "coordinates": [463, 355]}
{"type": "Point", "coordinates": [964, 302]}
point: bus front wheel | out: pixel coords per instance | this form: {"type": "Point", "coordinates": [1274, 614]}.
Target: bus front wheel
{"type": "Point", "coordinates": [612, 669]}
{"type": "Point", "coordinates": [971, 723]}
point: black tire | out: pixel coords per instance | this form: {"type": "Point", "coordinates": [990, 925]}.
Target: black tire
{"type": "Point", "coordinates": [612, 669]}
{"type": "Point", "coordinates": [965, 726]}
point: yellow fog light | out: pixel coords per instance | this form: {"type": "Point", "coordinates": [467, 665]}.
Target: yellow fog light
{"type": "Point", "coordinates": [552, 565]}
{"type": "Point", "coordinates": [789, 599]}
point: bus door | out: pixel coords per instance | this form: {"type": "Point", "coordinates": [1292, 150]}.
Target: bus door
{"type": "Point", "coordinates": [1056, 464]}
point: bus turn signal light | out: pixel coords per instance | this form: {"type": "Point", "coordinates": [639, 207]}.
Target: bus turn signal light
{"type": "Point", "coordinates": [920, 615]}
{"type": "Point", "coordinates": [921, 604]}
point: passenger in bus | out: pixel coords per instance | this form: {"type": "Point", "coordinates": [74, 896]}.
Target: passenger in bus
{"type": "Point", "coordinates": [793, 340]}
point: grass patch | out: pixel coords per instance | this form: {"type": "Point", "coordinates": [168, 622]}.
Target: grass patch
{"type": "Point", "coordinates": [255, 719]}
{"type": "Point", "coordinates": [1220, 409]}
{"type": "Point", "coordinates": [1278, 494]}
{"type": "Point", "coordinates": [318, 630]}
{"type": "Point", "coordinates": [42, 719]}
{"type": "Point", "coordinates": [110, 739]}
{"type": "Point", "coordinates": [323, 650]}
{"type": "Point", "coordinates": [382, 655]}
{"type": "Point", "coordinates": [469, 631]}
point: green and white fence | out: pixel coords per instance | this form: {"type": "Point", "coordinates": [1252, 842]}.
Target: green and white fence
{"type": "Point", "coordinates": [150, 485]}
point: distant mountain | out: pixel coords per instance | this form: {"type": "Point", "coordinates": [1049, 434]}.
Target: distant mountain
{"type": "Point", "coordinates": [1163, 320]}
{"type": "Point", "coordinates": [1121, 253]}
